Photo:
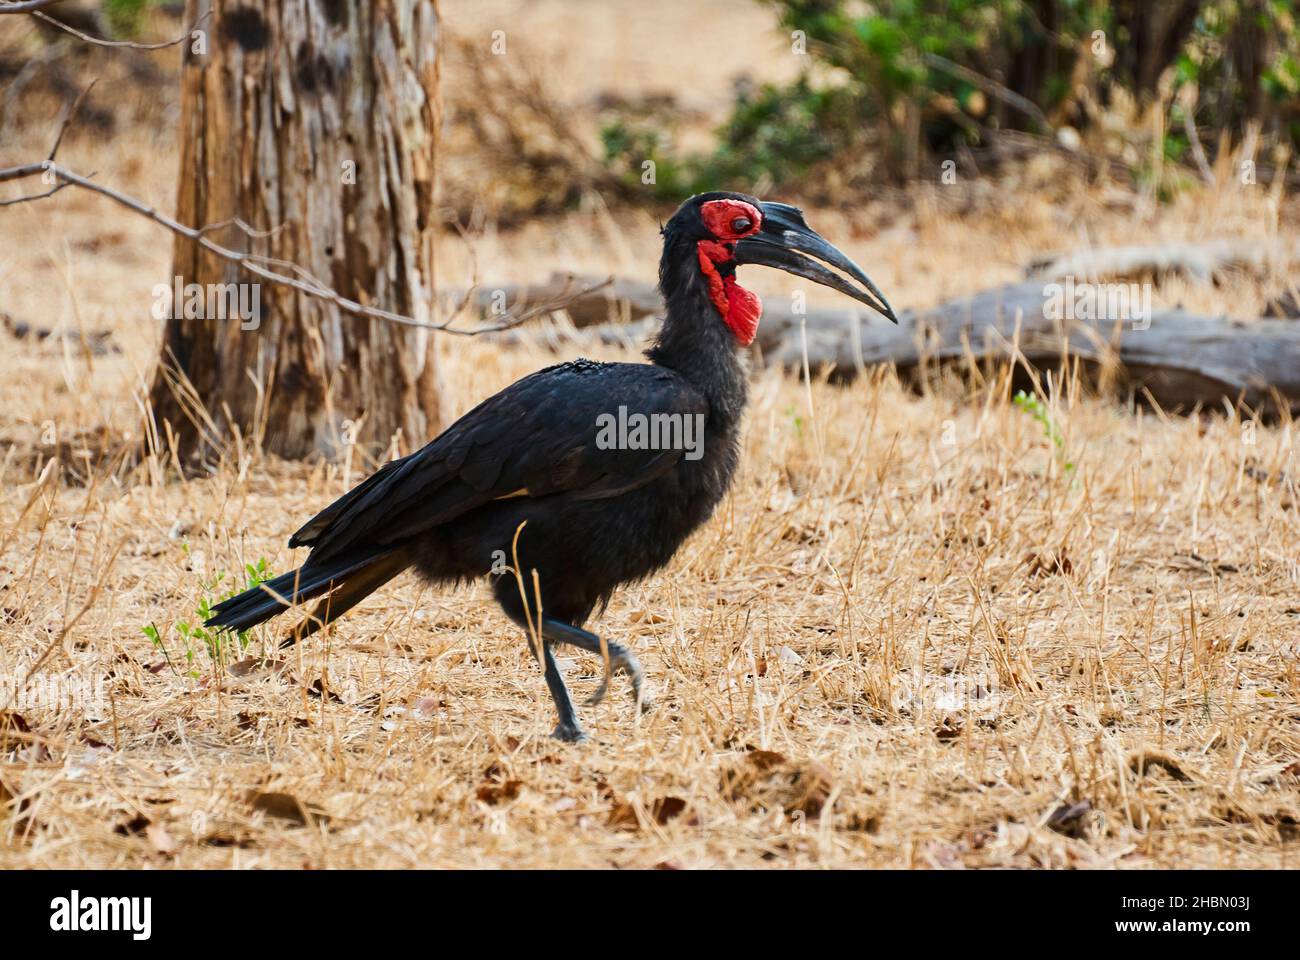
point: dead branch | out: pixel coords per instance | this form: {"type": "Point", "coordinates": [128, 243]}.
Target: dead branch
{"type": "Point", "coordinates": [127, 44]}
{"type": "Point", "coordinates": [66, 120]}
{"type": "Point", "coordinates": [24, 6]}
{"type": "Point", "coordinates": [261, 267]}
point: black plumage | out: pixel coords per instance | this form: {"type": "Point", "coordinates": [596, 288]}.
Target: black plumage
{"type": "Point", "coordinates": [593, 516]}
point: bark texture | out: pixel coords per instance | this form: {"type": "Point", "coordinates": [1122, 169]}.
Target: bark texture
{"type": "Point", "coordinates": [315, 121]}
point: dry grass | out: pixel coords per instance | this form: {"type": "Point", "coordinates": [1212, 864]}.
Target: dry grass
{"type": "Point", "coordinates": [910, 637]}
{"type": "Point", "coordinates": [894, 651]}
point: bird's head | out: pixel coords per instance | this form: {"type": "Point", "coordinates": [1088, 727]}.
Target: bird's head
{"type": "Point", "coordinates": [713, 233]}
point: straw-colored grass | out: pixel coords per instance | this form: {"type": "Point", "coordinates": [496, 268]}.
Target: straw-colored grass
{"type": "Point", "coordinates": [911, 636]}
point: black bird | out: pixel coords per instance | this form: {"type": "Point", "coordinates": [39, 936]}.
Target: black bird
{"type": "Point", "coordinates": [583, 476]}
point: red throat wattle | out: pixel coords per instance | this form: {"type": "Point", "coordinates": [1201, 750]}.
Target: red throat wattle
{"type": "Point", "coordinates": [730, 220]}
{"type": "Point", "coordinates": [740, 308]}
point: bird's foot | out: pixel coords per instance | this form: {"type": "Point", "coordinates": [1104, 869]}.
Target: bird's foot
{"type": "Point", "coordinates": [624, 660]}
{"type": "Point", "coordinates": [569, 732]}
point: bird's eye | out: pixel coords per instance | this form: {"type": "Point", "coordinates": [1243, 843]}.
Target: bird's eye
{"type": "Point", "coordinates": [741, 224]}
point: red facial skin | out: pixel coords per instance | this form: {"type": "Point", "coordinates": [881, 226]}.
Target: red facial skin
{"type": "Point", "coordinates": [739, 308]}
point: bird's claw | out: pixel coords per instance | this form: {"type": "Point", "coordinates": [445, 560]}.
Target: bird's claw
{"type": "Point", "coordinates": [569, 733]}
{"type": "Point", "coordinates": [620, 659]}
{"type": "Point", "coordinates": [599, 693]}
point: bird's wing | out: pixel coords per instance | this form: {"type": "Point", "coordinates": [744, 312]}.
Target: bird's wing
{"type": "Point", "coordinates": [540, 436]}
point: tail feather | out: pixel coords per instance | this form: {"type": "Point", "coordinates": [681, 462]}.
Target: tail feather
{"type": "Point", "coordinates": [340, 575]}
{"type": "Point", "coordinates": [353, 590]}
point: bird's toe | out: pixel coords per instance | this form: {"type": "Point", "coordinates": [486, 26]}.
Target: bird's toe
{"type": "Point", "coordinates": [569, 733]}
{"type": "Point", "coordinates": [632, 667]}
{"type": "Point", "coordinates": [599, 693]}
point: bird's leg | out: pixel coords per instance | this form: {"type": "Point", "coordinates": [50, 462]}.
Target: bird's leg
{"type": "Point", "coordinates": [568, 728]}
{"type": "Point", "coordinates": [620, 657]}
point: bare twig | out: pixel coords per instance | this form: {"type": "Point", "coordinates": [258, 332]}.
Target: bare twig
{"type": "Point", "coordinates": [68, 116]}
{"type": "Point", "coordinates": [1198, 152]}
{"type": "Point", "coordinates": [27, 198]}
{"type": "Point", "coordinates": [991, 87]}
{"type": "Point", "coordinates": [129, 44]}
{"type": "Point", "coordinates": [258, 266]}
{"type": "Point", "coordinates": [24, 6]}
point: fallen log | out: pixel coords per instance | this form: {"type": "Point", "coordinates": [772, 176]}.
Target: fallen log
{"type": "Point", "coordinates": [1196, 261]}
{"type": "Point", "coordinates": [1181, 359]}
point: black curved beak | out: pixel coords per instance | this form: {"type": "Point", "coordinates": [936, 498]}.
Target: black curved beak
{"type": "Point", "coordinates": [782, 243]}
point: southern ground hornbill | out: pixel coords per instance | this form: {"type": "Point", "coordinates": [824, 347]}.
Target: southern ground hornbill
{"type": "Point", "coordinates": [536, 476]}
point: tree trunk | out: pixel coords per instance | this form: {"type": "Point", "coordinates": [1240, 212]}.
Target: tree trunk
{"type": "Point", "coordinates": [1150, 38]}
{"type": "Point", "coordinates": [313, 122]}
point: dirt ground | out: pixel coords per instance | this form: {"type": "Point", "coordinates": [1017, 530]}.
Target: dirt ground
{"type": "Point", "coordinates": [917, 633]}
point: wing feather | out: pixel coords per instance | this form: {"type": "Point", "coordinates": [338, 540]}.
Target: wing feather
{"type": "Point", "coordinates": [539, 435]}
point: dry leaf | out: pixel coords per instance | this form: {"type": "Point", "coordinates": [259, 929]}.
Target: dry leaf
{"type": "Point", "coordinates": [623, 815]}
{"type": "Point", "coordinates": [646, 616]}
{"type": "Point", "coordinates": [15, 721]}
{"type": "Point", "coordinates": [1069, 818]}
{"type": "Point", "coordinates": [950, 728]}
{"type": "Point", "coordinates": [320, 688]}
{"type": "Point", "coordinates": [766, 759]}
{"type": "Point", "coordinates": [1141, 761]}
{"type": "Point", "coordinates": [285, 806]}
{"type": "Point", "coordinates": [494, 793]}
{"type": "Point", "coordinates": [133, 827]}
{"type": "Point", "coordinates": [498, 785]}
{"type": "Point", "coordinates": [428, 707]}
{"type": "Point", "coordinates": [666, 808]}
{"type": "Point", "coordinates": [254, 665]}
{"type": "Point", "coordinates": [769, 781]}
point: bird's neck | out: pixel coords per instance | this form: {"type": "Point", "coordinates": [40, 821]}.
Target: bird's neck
{"type": "Point", "coordinates": [695, 343]}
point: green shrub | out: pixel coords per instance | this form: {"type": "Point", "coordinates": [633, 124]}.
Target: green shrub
{"type": "Point", "coordinates": [894, 86]}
